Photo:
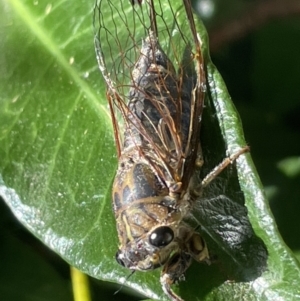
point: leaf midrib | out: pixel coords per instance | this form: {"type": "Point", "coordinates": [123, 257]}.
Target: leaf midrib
{"type": "Point", "coordinates": [40, 33]}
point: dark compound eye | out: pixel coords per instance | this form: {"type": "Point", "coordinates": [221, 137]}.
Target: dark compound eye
{"type": "Point", "coordinates": [161, 236]}
{"type": "Point", "coordinates": [119, 259]}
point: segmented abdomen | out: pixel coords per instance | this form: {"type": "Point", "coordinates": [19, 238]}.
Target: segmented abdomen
{"type": "Point", "coordinates": [156, 100]}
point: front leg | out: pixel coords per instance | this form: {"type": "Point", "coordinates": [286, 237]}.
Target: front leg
{"type": "Point", "coordinates": [191, 247]}
{"type": "Point", "coordinates": [173, 272]}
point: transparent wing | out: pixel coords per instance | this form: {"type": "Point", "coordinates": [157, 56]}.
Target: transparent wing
{"type": "Point", "coordinates": [120, 28]}
{"type": "Point", "coordinates": [168, 85]}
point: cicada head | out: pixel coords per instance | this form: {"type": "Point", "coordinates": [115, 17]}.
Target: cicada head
{"type": "Point", "coordinates": [150, 251]}
{"type": "Point", "coordinates": [170, 245]}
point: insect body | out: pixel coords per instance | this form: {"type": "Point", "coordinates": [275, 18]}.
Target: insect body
{"type": "Point", "coordinates": [155, 78]}
{"type": "Point", "coordinates": [151, 189]}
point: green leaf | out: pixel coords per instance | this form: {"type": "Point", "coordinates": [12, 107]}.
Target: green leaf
{"type": "Point", "coordinates": [58, 159]}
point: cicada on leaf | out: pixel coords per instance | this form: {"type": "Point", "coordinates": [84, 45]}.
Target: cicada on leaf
{"type": "Point", "coordinates": [150, 55]}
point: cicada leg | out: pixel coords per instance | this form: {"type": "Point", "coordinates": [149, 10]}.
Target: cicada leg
{"type": "Point", "coordinates": [220, 167]}
{"type": "Point", "coordinates": [173, 271]}
{"type": "Point", "coordinates": [196, 189]}
{"type": "Point", "coordinates": [199, 159]}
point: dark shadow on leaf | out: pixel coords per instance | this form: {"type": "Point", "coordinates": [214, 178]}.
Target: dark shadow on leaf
{"type": "Point", "coordinates": [240, 254]}
{"type": "Point", "coordinates": [237, 253]}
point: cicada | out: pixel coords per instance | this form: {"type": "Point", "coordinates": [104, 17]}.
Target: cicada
{"type": "Point", "coordinates": [151, 58]}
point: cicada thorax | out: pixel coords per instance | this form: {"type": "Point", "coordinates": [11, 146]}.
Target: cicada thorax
{"type": "Point", "coordinates": [150, 220]}
{"type": "Point", "coordinates": [150, 196]}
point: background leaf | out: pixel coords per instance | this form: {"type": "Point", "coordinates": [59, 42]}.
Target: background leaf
{"type": "Point", "coordinates": [57, 156]}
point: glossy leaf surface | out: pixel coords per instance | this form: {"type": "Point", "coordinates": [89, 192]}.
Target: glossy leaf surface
{"type": "Point", "coordinates": [57, 155]}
